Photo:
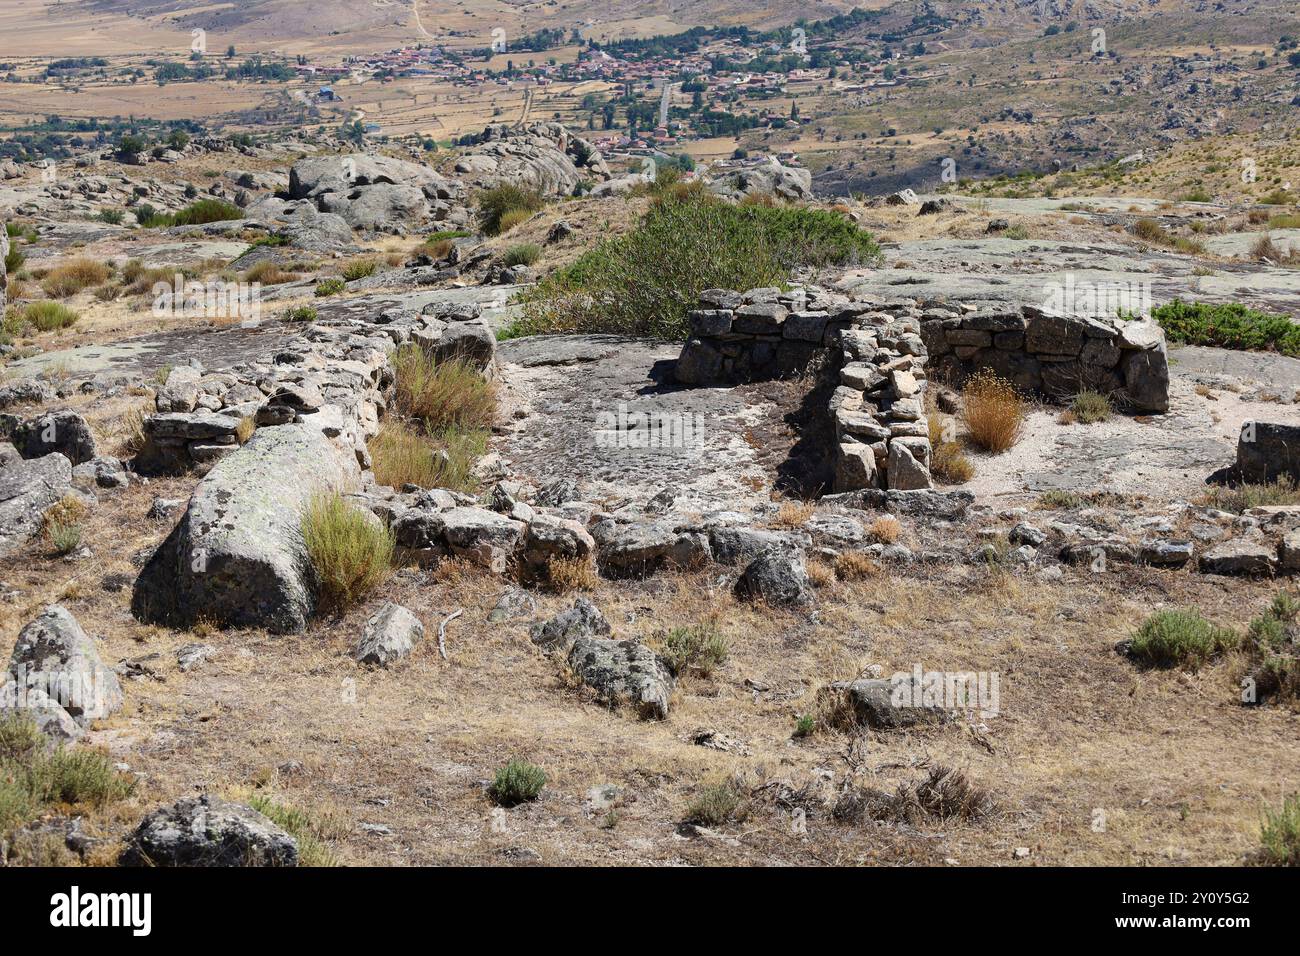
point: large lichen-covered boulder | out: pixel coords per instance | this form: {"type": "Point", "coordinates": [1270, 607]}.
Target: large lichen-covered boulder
{"type": "Point", "coordinates": [27, 489]}
{"type": "Point", "coordinates": [541, 156]}
{"type": "Point", "coordinates": [208, 831]}
{"type": "Point", "coordinates": [237, 557]}
{"type": "Point", "coordinates": [55, 660]}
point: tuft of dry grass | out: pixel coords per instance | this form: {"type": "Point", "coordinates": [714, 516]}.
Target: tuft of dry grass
{"type": "Point", "coordinates": [442, 394]}
{"type": "Point", "coordinates": [885, 530]}
{"type": "Point", "coordinates": [947, 460]}
{"type": "Point", "coordinates": [792, 514]}
{"type": "Point", "coordinates": [945, 794]}
{"type": "Point", "coordinates": [73, 276]}
{"type": "Point", "coordinates": [820, 574]}
{"type": "Point", "coordinates": [1088, 408]}
{"type": "Point", "coordinates": [854, 565]}
{"type": "Point", "coordinates": [270, 273]}
{"type": "Point", "coordinates": [566, 575]}
{"type": "Point", "coordinates": [994, 412]}
{"type": "Point", "coordinates": [715, 805]}
{"type": "Point", "coordinates": [351, 552]}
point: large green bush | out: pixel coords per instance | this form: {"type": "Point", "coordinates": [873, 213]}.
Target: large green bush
{"type": "Point", "coordinates": [643, 283]}
{"type": "Point", "coordinates": [1229, 325]}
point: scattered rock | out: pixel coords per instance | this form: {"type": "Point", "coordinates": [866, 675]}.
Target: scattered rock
{"type": "Point", "coordinates": [391, 633]}
{"type": "Point", "coordinates": [208, 831]}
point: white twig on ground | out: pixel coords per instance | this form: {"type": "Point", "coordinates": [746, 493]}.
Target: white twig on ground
{"type": "Point", "coordinates": [442, 632]}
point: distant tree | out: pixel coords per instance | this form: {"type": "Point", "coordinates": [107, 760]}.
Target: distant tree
{"type": "Point", "coordinates": [230, 52]}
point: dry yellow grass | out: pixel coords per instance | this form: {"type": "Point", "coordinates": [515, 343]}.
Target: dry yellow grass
{"type": "Point", "coordinates": [73, 276]}
{"type": "Point", "coordinates": [854, 565]}
{"type": "Point", "coordinates": [885, 530]}
{"type": "Point", "coordinates": [792, 514]}
{"type": "Point", "coordinates": [567, 575]}
{"type": "Point", "coordinates": [993, 411]}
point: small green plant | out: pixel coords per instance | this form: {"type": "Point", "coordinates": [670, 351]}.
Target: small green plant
{"type": "Point", "coordinates": [715, 805]}
{"type": "Point", "coordinates": [1089, 408]}
{"type": "Point", "coordinates": [1272, 645]}
{"type": "Point", "coordinates": [34, 778]}
{"type": "Point", "coordinates": [309, 833]}
{"type": "Point", "coordinates": [112, 217]}
{"type": "Point", "coordinates": [698, 647]}
{"type": "Point", "coordinates": [328, 287]}
{"type": "Point", "coordinates": [517, 782]}
{"type": "Point", "coordinates": [48, 316]}
{"type": "Point", "coordinates": [804, 726]}
{"type": "Point", "coordinates": [1279, 835]}
{"type": "Point", "coordinates": [351, 551]}
{"type": "Point", "coordinates": [1180, 638]}
{"type": "Point", "coordinates": [500, 202]}
{"type": "Point", "coordinates": [301, 313]}
{"type": "Point", "coordinates": [359, 269]}
{"type": "Point", "coordinates": [65, 537]}
{"type": "Point", "coordinates": [524, 254]}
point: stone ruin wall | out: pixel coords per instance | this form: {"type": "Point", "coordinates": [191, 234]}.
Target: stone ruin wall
{"type": "Point", "coordinates": [884, 354]}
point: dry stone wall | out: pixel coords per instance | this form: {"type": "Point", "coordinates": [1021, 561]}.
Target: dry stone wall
{"type": "Point", "coordinates": [883, 354]}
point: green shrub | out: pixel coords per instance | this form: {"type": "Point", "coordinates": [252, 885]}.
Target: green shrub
{"type": "Point", "coordinates": [351, 551]}
{"type": "Point", "coordinates": [206, 210]}
{"type": "Point", "coordinates": [32, 777]}
{"type": "Point", "coordinates": [494, 205]}
{"type": "Point", "coordinates": [1180, 638]}
{"type": "Point", "coordinates": [1273, 647]}
{"type": "Point", "coordinates": [111, 216]}
{"type": "Point", "coordinates": [1279, 836]}
{"type": "Point", "coordinates": [804, 726]}
{"type": "Point", "coordinates": [524, 254]}
{"type": "Point", "coordinates": [448, 234]}
{"type": "Point", "coordinates": [517, 782]}
{"type": "Point", "coordinates": [643, 283]}
{"type": "Point", "coordinates": [699, 647]}
{"type": "Point", "coordinates": [65, 537]}
{"type": "Point", "coordinates": [1090, 407]}
{"type": "Point", "coordinates": [301, 313]}
{"type": "Point", "coordinates": [1230, 325]}
{"type": "Point", "coordinates": [359, 269]}
{"type": "Point", "coordinates": [714, 805]}
{"type": "Point", "coordinates": [302, 826]}
{"type": "Point", "coordinates": [328, 287]}
{"type": "Point", "coordinates": [14, 259]}
{"type": "Point", "coordinates": [48, 316]}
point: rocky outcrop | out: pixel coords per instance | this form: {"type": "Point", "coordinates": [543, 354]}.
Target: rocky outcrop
{"type": "Point", "coordinates": [622, 673]}
{"type": "Point", "coordinates": [375, 192]}
{"type": "Point", "coordinates": [208, 831]}
{"type": "Point", "coordinates": [777, 577]}
{"type": "Point", "coordinates": [764, 179]}
{"type": "Point", "coordinates": [56, 667]}
{"type": "Point", "coordinates": [542, 156]}
{"type": "Point", "coordinates": [27, 489]}
{"type": "Point", "coordinates": [65, 432]}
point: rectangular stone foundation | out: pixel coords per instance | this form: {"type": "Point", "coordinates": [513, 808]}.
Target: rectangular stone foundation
{"type": "Point", "coordinates": [884, 352]}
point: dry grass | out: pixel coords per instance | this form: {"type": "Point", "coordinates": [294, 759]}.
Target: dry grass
{"type": "Point", "coordinates": [948, 462]}
{"type": "Point", "coordinates": [854, 565]}
{"type": "Point", "coordinates": [270, 273]}
{"type": "Point", "coordinates": [73, 276]}
{"type": "Point", "coordinates": [351, 552]}
{"type": "Point", "coordinates": [566, 575]}
{"type": "Point", "coordinates": [885, 530]}
{"type": "Point", "coordinates": [820, 574]}
{"type": "Point", "coordinates": [993, 411]}
{"type": "Point", "coordinates": [793, 514]}
{"type": "Point", "coordinates": [450, 394]}
{"type": "Point", "coordinates": [402, 455]}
